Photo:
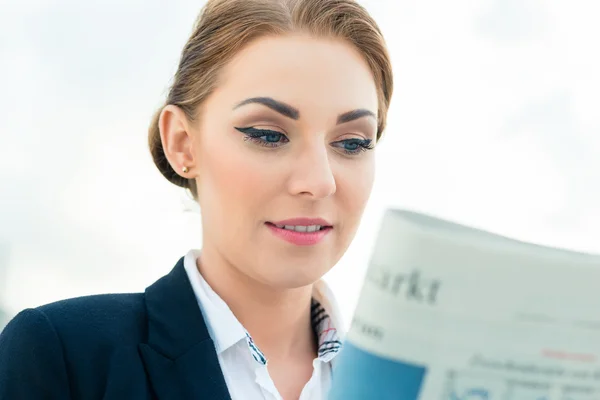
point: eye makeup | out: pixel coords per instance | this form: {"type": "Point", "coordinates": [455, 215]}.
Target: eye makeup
{"type": "Point", "coordinates": [263, 137]}
{"type": "Point", "coordinates": [272, 138]}
{"type": "Point", "coordinates": [354, 145]}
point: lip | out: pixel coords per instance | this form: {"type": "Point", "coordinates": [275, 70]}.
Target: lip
{"type": "Point", "coordinates": [302, 221]}
{"type": "Point", "coordinates": [301, 238]}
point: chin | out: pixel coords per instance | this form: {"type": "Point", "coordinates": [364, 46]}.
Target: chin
{"type": "Point", "coordinates": [292, 278]}
{"type": "Point", "coordinates": [291, 283]}
{"type": "Point", "coordinates": [289, 270]}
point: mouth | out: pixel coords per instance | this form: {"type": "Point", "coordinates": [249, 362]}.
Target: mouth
{"type": "Point", "coordinates": [301, 232]}
{"type": "Point", "coordinates": [300, 228]}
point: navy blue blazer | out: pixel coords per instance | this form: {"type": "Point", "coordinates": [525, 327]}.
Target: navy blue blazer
{"type": "Point", "coordinates": [152, 345]}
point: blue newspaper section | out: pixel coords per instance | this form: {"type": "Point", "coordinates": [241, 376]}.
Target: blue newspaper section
{"type": "Point", "coordinates": [362, 375]}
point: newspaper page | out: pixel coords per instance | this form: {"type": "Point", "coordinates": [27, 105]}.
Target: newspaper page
{"type": "Point", "coordinates": [452, 313]}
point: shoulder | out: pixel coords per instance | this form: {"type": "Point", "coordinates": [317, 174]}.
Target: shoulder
{"type": "Point", "coordinates": [105, 318]}
{"type": "Point", "coordinates": [113, 315]}
{"type": "Point", "coordinates": [41, 345]}
{"type": "Point", "coordinates": [102, 308]}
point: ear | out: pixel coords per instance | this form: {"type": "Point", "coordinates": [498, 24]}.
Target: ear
{"type": "Point", "coordinates": [177, 140]}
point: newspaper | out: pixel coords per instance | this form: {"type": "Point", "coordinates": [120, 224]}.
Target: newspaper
{"type": "Point", "coordinates": [453, 313]}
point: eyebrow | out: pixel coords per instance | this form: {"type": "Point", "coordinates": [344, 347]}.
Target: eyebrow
{"type": "Point", "coordinates": [354, 115]}
{"type": "Point", "coordinates": [293, 113]}
{"type": "Point", "coordinates": [280, 107]}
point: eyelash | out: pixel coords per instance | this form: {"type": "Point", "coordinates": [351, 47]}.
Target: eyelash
{"type": "Point", "coordinates": [256, 136]}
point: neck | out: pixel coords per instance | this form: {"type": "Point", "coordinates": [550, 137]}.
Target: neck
{"type": "Point", "coordinates": [278, 320]}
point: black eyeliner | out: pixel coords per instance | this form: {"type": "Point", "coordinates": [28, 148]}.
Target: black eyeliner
{"type": "Point", "coordinates": [366, 143]}
{"type": "Point", "coordinates": [250, 131]}
{"type": "Point", "coordinates": [254, 132]}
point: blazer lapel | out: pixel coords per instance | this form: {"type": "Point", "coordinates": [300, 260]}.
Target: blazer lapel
{"type": "Point", "coordinates": [180, 356]}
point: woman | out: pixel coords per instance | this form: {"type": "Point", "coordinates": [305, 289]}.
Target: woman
{"type": "Point", "coordinates": [270, 123]}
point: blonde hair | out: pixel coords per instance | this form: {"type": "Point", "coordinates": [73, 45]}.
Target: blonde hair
{"type": "Point", "coordinates": [225, 26]}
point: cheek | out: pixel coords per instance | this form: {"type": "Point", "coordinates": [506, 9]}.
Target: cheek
{"type": "Point", "coordinates": [231, 187]}
{"type": "Point", "coordinates": [354, 185]}
{"type": "Point", "coordinates": [358, 182]}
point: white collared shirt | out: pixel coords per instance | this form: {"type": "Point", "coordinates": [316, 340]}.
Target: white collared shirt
{"type": "Point", "coordinates": [243, 364]}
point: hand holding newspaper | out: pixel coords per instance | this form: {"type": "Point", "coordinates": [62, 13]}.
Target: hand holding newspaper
{"type": "Point", "coordinates": [453, 313]}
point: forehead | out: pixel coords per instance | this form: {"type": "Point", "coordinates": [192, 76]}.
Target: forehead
{"type": "Point", "coordinates": [307, 72]}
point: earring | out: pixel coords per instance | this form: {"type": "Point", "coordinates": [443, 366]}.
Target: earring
{"type": "Point", "coordinates": [185, 170]}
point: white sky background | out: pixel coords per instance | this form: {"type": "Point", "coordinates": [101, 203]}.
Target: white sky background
{"type": "Point", "coordinates": [493, 124]}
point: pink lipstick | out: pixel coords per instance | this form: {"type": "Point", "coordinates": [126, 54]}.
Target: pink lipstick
{"type": "Point", "coordinates": [301, 231]}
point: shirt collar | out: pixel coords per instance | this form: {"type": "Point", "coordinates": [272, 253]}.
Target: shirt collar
{"type": "Point", "coordinates": [226, 331]}
{"type": "Point", "coordinates": [326, 320]}
{"type": "Point", "coordinates": [223, 327]}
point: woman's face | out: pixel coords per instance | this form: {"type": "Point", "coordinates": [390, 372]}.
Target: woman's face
{"type": "Point", "coordinates": [283, 157]}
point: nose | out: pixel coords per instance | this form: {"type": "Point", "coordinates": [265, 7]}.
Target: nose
{"type": "Point", "coordinates": [312, 175]}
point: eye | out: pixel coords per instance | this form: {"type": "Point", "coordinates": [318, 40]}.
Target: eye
{"type": "Point", "coordinates": [264, 137]}
{"type": "Point", "coordinates": [354, 146]}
